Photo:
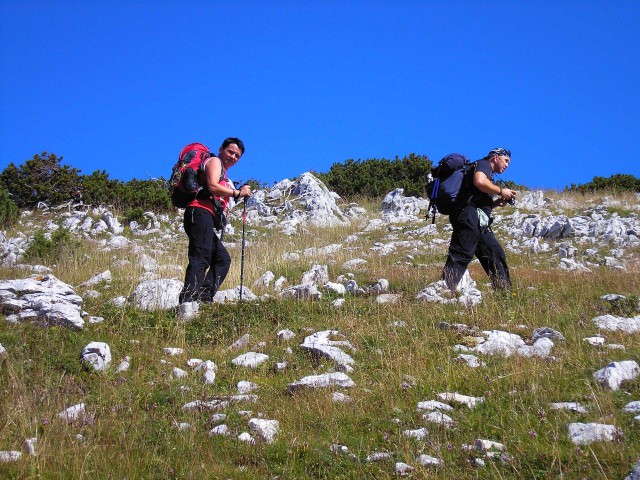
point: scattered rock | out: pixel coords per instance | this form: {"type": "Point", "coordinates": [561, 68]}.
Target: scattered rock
{"type": "Point", "coordinates": [586, 433]}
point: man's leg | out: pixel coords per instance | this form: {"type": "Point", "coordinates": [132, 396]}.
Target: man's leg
{"type": "Point", "coordinates": [493, 260]}
{"type": "Point", "coordinates": [466, 231]}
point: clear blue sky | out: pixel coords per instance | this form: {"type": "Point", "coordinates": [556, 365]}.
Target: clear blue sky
{"type": "Point", "coordinates": [122, 86]}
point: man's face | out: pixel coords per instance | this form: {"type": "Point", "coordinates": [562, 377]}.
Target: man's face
{"type": "Point", "coordinates": [230, 154]}
{"type": "Point", "coordinates": [501, 163]}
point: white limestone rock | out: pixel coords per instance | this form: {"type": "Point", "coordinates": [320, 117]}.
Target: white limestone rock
{"type": "Point", "coordinates": [73, 413]}
{"type": "Point", "coordinates": [403, 469]}
{"type": "Point", "coordinates": [470, 402]}
{"type": "Point", "coordinates": [321, 343]}
{"type": "Point", "coordinates": [586, 433]}
{"type": "Point", "coordinates": [244, 386]}
{"type": "Point", "coordinates": [571, 406]}
{"type": "Point", "coordinates": [316, 275]}
{"type": "Point", "coordinates": [326, 380]}
{"type": "Point", "coordinates": [418, 433]}
{"type": "Point", "coordinates": [104, 277]}
{"type": "Point", "coordinates": [632, 407]}
{"type": "Point", "coordinates": [438, 418]}
{"type": "Point", "coordinates": [426, 461]}
{"type": "Point", "coordinates": [266, 429]}
{"type": "Point", "coordinates": [10, 456]}
{"type": "Point", "coordinates": [250, 360]}
{"type": "Point", "coordinates": [42, 299]}
{"type": "Point", "coordinates": [159, 294]}
{"type": "Point", "coordinates": [97, 355]}
{"type": "Point", "coordinates": [285, 334]}
{"type": "Point", "coordinates": [613, 323]}
{"type": "Point", "coordinates": [615, 373]}
{"type": "Point", "coordinates": [430, 405]}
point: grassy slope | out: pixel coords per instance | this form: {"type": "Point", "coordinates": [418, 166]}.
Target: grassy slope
{"type": "Point", "coordinates": [131, 430]}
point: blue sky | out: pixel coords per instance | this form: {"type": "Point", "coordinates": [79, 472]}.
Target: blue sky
{"type": "Point", "coordinates": [123, 86]}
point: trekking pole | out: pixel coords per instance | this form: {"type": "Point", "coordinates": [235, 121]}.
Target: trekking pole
{"type": "Point", "coordinates": [244, 225]}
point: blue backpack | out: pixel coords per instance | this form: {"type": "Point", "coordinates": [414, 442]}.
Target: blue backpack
{"type": "Point", "coordinates": [449, 178]}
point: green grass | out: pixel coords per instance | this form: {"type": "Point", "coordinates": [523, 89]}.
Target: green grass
{"type": "Point", "coordinates": [131, 433]}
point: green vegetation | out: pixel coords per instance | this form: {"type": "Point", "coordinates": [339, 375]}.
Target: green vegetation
{"type": "Point", "coordinates": [50, 249]}
{"type": "Point", "coordinates": [620, 182]}
{"type": "Point", "coordinates": [44, 179]}
{"type": "Point", "coordinates": [375, 177]}
{"type": "Point", "coordinates": [9, 211]}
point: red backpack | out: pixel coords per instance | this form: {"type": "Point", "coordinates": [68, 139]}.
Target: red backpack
{"type": "Point", "coordinates": [183, 183]}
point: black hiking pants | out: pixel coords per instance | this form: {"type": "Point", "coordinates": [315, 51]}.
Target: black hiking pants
{"type": "Point", "coordinates": [209, 261]}
{"type": "Point", "coordinates": [469, 239]}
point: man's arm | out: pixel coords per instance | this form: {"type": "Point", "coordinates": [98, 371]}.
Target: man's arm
{"type": "Point", "coordinates": [482, 183]}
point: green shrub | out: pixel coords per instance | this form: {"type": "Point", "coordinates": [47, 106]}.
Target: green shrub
{"type": "Point", "coordinates": [377, 177]}
{"type": "Point", "coordinates": [98, 189]}
{"type": "Point", "coordinates": [135, 214]}
{"type": "Point", "coordinates": [50, 250]}
{"type": "Point", "coordinates": [145, 194]}
{"type": "Point", "coordinates": [620, 182]}
{"type": "Point", "coordinates": [9, 211]}
{"type": "Point", "coordinates": [41, 179]}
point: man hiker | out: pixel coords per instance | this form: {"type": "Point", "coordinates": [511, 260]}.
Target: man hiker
{"type": "Point", "coordinates": [471, 222]}
{"type": "Point", "coordinates": [209, 260]}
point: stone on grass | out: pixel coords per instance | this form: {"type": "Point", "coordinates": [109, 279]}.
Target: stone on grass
{"type": "Point", "coordinates": [418, 433]}
{"type": "Point", "coordinates": [321, 343]}
{"type": "Point", "coordinates": [247, 438]}
{"type": "Point", "coordinates": [470, 402]}
{"type": "Point", "coordinates": [97, 355]}
{"type": "Point", "coordinates": [10, 456]}
{"type": "Point", "coordinates": [403, 469]}
{"type": "Point", "coordinates": [618, 324]}
{"type": "Point", "coordinates": [159, 294]}
{"type": "Point", "coordinates": [571, 406]}
{"type": "Point", "coordinates": [615, 373]}
{"type": "Point", "coordinates": [222, 430]}
{"type": "Point", "coordinates": [96, 279]}
{"type": "Point", "coordinates": [178, 373]}
{"type": "Point", "coordinates": [285, 334]}
{"type": "Point", "coordinates": [632, 407]}
{"type": "Point", "coordinates": [188, 311]}
{"type": "Point", "coordinates": [488, 445]}
{"type": "Point", "coordinates": [438, 418]}
{"type": "Point", "coordinates": [266, 429]}
{"type": "Point", "coordinates": [389, 298]}
{"type": "Point", "coordinates": [242, 342]}
{"type": "Point", "coordinates": [173, 351]}
{"type": "Point", "coordinates": [546, 332]}
{"type": "Point", "coordinates": [250, 360]}
{"type": "Point", "coordinates": [326, 380]}
{"type": "Point", "coordinates": [30, 445]}
{"type": "Point", "coordinates": [378, 456]}
{"type": "Point", "coordinates": [244, 386]}
{"type": "Point", "coordinates": [426, 460]}
{"type": "Point", "coordinates": [586, 433]}
{"type": "Point", "coordinates": [339, 397]}
{"type": "Point", "coordinates": [72, 414]}
{"type": "Point", "coordinates": [124, 365]}
{"type": "Point", "coordinates": [434, 405]}
{"type": "Point", "coordinates": [471, 360]}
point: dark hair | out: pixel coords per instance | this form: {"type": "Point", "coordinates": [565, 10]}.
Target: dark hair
{"type": "Point", "coordinates": [230, 140]}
